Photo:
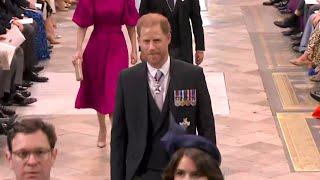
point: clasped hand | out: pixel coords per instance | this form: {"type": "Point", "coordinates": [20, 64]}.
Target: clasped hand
{"type": "Point", "coordinates": [77, 55]}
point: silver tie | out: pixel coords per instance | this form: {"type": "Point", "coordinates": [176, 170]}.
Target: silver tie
{"type": "Point", "coordinates": [158, 89]}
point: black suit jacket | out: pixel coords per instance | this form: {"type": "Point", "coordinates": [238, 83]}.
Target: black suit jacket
{"type": "Point", "coordinates": [2, 29]}
{"type": "Point", "coordinates": [130, 124]}
{"type": "Point", "coordinates": [184, 11]}
{"type": "Point", "coordinates": [11, 9]}
{"type": "Point", "coordinates": [21, 3]}
{"type": "Point", "coordinates": [4, 23]}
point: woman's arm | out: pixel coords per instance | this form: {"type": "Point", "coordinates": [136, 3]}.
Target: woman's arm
{"type": "Point", "coordinates": [81, 32]}
{"type": "Point", "coordinates": [133, 40]}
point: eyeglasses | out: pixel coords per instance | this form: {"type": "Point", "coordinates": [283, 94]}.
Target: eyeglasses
{"type": "Point", "coordinates": [39, 154]}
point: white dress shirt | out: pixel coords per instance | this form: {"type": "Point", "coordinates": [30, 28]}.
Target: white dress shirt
{"type": "Point", "coordinates": [152, 73]}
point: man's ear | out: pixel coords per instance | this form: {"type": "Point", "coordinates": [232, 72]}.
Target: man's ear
{"type": "Point", "coordinates": [54, 155]}
{"type": "Point", "coordinates": [9, 157]}
{"type": "Point", "coordinates": [169, 37]}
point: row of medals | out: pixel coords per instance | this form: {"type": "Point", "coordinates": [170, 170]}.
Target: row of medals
{"type": "Point", "coordinates": [186, 97]}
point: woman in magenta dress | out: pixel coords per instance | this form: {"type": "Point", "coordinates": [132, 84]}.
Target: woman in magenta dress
{"type": "Point", "coordinates": [105, 55]}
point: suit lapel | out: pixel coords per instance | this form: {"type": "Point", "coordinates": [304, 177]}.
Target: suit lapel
{"type": "Point", "coordinates": [168, 99]}
{"type": "Point", "coordinates": [141, 83]}
{"type": "Point", "coordinates": [172, 86]}
{"type": "Point", "coordinates": [176, 6]}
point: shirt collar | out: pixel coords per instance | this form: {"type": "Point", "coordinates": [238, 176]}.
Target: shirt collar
{"type": "Point", "coordinates": [164, 68]}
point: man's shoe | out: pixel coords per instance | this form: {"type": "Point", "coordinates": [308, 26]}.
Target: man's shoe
{"type": "Point", "coordinates": [315, 94]}
{"type": "Point", "coordinates": [270, 2]}
{"type": "Point", "coordinates": [285, 11]}
{"type": "Point", "coordinates": [3, 115]}
{"type": "Point", "coordinates": [290, 32]}
{"type": "Point", "coordinates": [25, 93]}
{"type": "Point", "coordinates": [27, 83]}
{"type": "Point", "coordinates": [290, 21]}
{"type": "Point", "coordinates": [282, 8]}
{"type": "Point", "coordinates": [296, 43]}
{"type": "Point", "coordinates": [283, 24]}
{"type": "Point", "coordinates": [297, 36]}
{"type": "Point", "coordinates": [21, 88]}
{"type": "Point", "coordinates": [281, 3]}
{"type": "Point", "coordinates": [5, 100]}
{"type": "Point", "coordinates": [36, 78]}
{"type": "Point", "coordinates": [19, 99]}
{"type": "Point", "coordinates": [297, 49]}
{"type": "Point", "coordinates": [7, 111]}
{"type": "Point", "coordinates": [38, 69]}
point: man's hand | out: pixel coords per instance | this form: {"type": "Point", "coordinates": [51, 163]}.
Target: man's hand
{"type": "Point", "coordinates": [199, 57]}
{"type": "Point", "coordinates": [3, 37]}
{"type": "Point", "coordinates": [19, 25]}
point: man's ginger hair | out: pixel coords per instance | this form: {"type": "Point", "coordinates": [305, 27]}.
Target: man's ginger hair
{"type": "Point", "coordinates": [153, 19]}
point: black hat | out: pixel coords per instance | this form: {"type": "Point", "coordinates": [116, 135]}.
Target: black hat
{"type": "Point", "coordinates": [192, 141]}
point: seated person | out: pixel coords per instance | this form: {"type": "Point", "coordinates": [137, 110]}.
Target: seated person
{"type": "Point", "coordinates": [4, 112]}
{"type": "Point", "coordinates": [30, 11]}
{"type": "Point", "coordinates": [9, 14]}
{"type": "Point", "coordinates": [312, 55]}
{"type": "Point", "coordinates": [31, 149]}
{"type": "Point", "coordinates": [292, 20]}
{"type": "Point", "coordinates": [194, 157]}
{"type": "Point", "coordinates": [302, 44]}
{"type": "Point", "coordinates": [11, 79]}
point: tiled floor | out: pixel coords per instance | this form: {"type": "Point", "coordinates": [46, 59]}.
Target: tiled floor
{"type": "Point", "coordinates": [240, 46]}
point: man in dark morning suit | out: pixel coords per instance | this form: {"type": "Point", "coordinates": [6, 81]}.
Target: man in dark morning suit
{"type": "Point", "coordinates": [147, 93]}
{"type": "Point", "coordinates": [179, 14]}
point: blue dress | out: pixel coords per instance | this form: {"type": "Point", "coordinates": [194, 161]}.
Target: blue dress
{"type": "Point", "coordinates": [41, 37]}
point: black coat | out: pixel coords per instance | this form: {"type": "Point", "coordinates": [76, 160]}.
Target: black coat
{"type": "Point", "coordinates": [21, 3]}
{"type": "Point", "coordinates": [130, 123]}
{"type": "Point", "coordinates": [2, 29]}
{"type": "Point", "coordinates": [184, 11]}
{"type": "Point", "coordinates": [11, 9]}
{"type": "Point", "coordinates": [4, 22]}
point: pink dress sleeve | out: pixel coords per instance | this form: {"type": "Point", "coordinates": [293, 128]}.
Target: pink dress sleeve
{"type": "Point", "coordinates": [130, 14]}
{"type": "Point", "coordinates": [83, 15]}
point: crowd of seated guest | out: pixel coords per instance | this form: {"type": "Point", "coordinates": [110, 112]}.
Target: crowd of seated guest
{"type": "Point", "coordinates": [40, 36]}
{"type": "Point", "coordinates": [303, 21]}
